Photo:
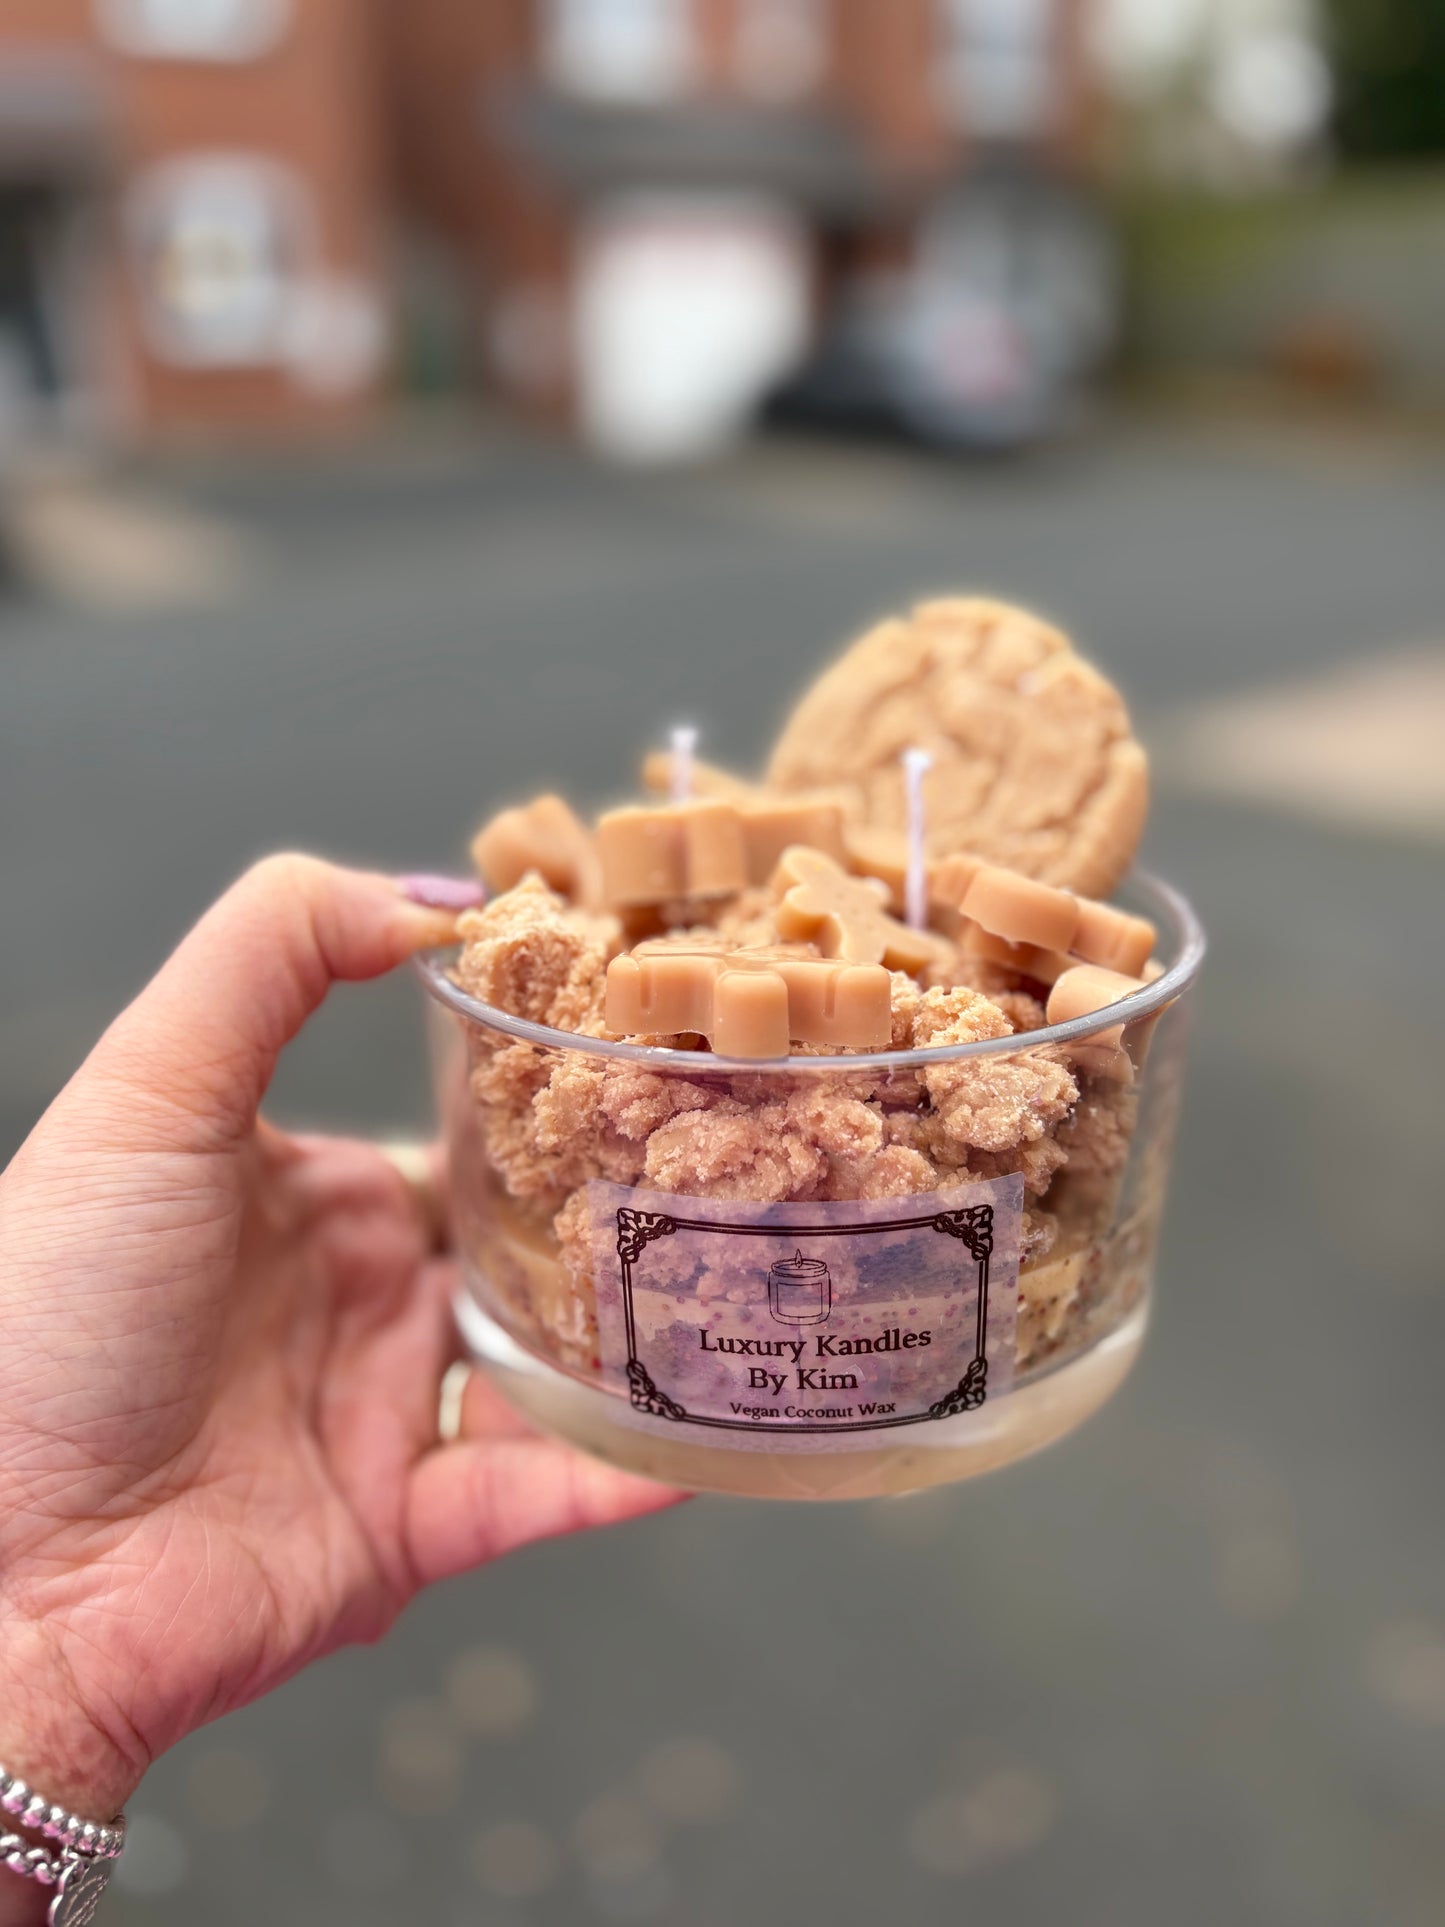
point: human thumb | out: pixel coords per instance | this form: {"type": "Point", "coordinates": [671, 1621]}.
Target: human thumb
{"type": "Point", "coordinates": [193, 1055]}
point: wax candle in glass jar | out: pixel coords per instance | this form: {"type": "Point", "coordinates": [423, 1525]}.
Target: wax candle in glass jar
{"type": "Point", "coordinates": [800, 1291]}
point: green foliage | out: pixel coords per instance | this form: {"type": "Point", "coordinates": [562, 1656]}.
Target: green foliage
{"type": "Point", "coordinates": [1389, 69]}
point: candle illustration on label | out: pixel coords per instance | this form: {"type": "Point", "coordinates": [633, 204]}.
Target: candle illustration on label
{"type": "Point", "coordinates": [800, 1291]}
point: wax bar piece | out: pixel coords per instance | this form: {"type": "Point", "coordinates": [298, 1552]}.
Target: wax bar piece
{"type": "Point", "coordinates": [642, 856]}
{"type": "Point", "coordinates": [750, 1014]}
{"type": "Point", "coordinates": [716, 856]}
{"type": "Point", "coordinates": [1022, 911]}
{"type": "Point", "coordinates": [709, 847]}
{"type": "Point", "coordinates": [671, 986]}
{"type": "Point", "coordinates": [949, 878]}
{"type": "Point", "coordinates": [869, 850]}
{"type": "Point", "coordinates": [688, 850]}
{"type": "Point", "coordinates": [829, 1002]}
{"type": "Point", "coordinates": [661, 994]}
{"type": "Point", "coordinates": [872, 850]}
{"type": "Point", "coordinates": [1029, 959]}
{"type": "Point", "coordinates": [1101, 1059]}
{"type": "Point", "coordinates": [773, 824]}
{"type": "Point", "coordinates": [1086, 988]}
{"type": "Point", "coordinates": [845, 916]}
{"type": "Point", "coordinates": [1016, 907]}
{"type": "Point", "coordinates": [707, 778]}
{"type": "Point", "coordinates": [772, 820]}
{"type": "Point", "coordinates": [1112, 938]}
{"type": "Point", "coordinates": [544, 836]}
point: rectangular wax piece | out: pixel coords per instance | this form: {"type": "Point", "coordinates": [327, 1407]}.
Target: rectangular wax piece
{"type": "Point", "coordinates": [950, 876]}
{"type": "Point", "coordinates": [665, 989]}
{"type": "Point", "coordinates": [772, 819]}
{"type": "Point", "coordinates": [872, 851]}
{"type": "Point", "coordinates": [750, 1016]}
{"type": "Point", "coordinates": [711, 846]}
{"type": "Point", "coordinates": [1112, 938]}
{"type": "Point", "coordinates": [772, 824]}
{"type": "Point", "coordinates": [848, 1005]}
{"type": "Point", "coordinates": [707, 778]}
{"type": "Point", "coordinates": [1030, 960]}
{"type": "Point", "coordinates": [1085, 988]}
{"type": "Point", "coordinates": [948, 881]}
{"type": "Point", "coordinates": [659, 855]}
{"type": "Point", "coordinates": [660, 995]}
{"type": "Point", "coordinates": [1022, 910]}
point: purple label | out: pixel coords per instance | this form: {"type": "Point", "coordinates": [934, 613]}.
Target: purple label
{"type": "Point", "coordinates": [808, 1323]}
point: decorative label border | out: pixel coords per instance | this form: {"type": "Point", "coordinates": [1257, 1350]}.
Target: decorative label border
{"type": "Point", "coordinates": [973, 1227]}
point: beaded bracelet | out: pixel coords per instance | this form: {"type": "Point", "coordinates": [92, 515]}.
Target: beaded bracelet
{"type": "Point", "coordinates": [80, 1871]}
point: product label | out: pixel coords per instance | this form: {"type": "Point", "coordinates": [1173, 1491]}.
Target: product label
{"type": "Point", "coordinates": [806, 1322]}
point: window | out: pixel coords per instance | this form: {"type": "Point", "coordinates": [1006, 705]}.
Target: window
{"type": "Point", "coordinates": [224, 30]}
{"type": "Point", "coordinates": [220, 245]}
{"type": "Point", "coordinates": [997, 76]}
{"type": "Point", "coordinates": [622, 51]}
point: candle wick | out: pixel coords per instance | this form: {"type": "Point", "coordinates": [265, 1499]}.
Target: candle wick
{"type": "Point", "coordinates": [684, 744]}
{"type": "Point", "coordinates": [916, 762]}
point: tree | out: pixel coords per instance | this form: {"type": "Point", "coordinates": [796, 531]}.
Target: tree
{"type": "Point", "coordinates": [1388, 58]}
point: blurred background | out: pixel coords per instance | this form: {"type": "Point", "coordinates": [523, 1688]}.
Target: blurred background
{"type": "Point", "coordinates": [407, 405]}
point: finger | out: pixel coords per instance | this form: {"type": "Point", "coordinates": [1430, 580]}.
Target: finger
{"type": "Point", "coordinates": [200, 1043]}
{"type": "Point", "coordinates": [422, 1168]}
{"type": "Point", "coordinates": [472, 1409]}
{"type": "Point", "coordinates": [475, 1500]}
{"type": "Point", "coordinates": [486, 1415]}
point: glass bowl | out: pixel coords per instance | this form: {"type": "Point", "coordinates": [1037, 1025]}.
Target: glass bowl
{"type": "Point", "coordinates": [730, 1276]}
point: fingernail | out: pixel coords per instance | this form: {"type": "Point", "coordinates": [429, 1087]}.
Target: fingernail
{"type": "Point", "coordinates": [443, 893]}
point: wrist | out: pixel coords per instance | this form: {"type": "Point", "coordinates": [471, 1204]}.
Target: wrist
{"type": "Point", "coordinates": [52, 1738]}
{"type": "Point", "coordinates": [50, 1742]}
{"type": "Point", "coordinates": [57, 1862]}
{"type": "Point", "coordinates": [22, 1903]}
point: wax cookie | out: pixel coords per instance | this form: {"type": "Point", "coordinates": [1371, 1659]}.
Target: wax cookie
{"type": "Point", "coordinates": [1034, 765]}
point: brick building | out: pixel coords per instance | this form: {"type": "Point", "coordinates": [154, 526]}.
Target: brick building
{"type": "Point", "coordinates": [201, 201]}
{"type": "Point", "coordinates": [191, 210]}
{"type": "Point", "coordinates": [638, 185]}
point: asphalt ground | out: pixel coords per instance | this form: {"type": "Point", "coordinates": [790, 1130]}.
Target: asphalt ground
{"type": "Point", "coordinates": [1188, 1666]}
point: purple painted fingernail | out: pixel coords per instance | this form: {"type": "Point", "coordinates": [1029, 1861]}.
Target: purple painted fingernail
{"type": "Point", "coordinates": [443, 893]}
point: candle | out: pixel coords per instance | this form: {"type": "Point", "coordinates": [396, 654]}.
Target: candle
{"type": "Point", "coordinates": [684, 746]}
{"type": "Point", "coordinates": [800, 1290]}
{"type": "Point", "coordinates": [916, 762]}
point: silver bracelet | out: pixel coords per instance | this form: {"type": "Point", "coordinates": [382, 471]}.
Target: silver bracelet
{"type": "Point", "coordinates": [80, 1871]}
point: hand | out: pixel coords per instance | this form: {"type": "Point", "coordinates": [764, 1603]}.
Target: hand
{"type": "Point", "coordinates": [222, 1353]}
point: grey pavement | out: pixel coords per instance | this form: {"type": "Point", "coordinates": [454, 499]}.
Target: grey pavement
{"type": "Point", "coordinates": [1188, 1666]}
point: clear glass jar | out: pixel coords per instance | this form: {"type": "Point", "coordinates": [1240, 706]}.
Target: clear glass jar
{"type": "Point", "coordinates": [860, 1336]}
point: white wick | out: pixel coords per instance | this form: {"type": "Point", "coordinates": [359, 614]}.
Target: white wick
{"type": "Point", "coordinates": [915, 890]}
{"type": "Point", "coordinates": [684, 742]}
